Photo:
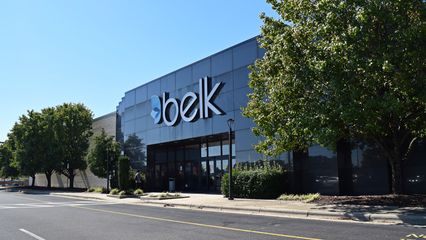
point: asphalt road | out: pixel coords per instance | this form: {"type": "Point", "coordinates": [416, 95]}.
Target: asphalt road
{"type": "Point", "coordinates": [44, 217]}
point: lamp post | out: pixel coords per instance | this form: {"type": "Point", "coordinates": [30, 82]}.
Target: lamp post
{"type": "Point", "coordinates": [230, 124]}
{"type": "Point", "coordinates": [107, 158]}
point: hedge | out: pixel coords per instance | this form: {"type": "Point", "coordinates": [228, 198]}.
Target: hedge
{"type": "Point", "coordinates": [262, 179]}
{"type": "Point", "coordinates": [123, 172]}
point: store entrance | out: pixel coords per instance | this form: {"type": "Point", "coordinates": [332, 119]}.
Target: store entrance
{"type": "Point", "coordinates": [195, 165]}
{"type": "Point", "coordinates": [217, 168]}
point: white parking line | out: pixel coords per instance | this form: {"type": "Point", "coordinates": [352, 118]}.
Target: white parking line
{"type": "Point", "coordinates": [31, 234]}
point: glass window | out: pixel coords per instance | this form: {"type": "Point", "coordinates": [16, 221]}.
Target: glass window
{"type": "Point", "coordinates": [225, 165]}
{"type": "Point", "coordinates": [225, 147]}
{"type": "Point", "coordinates": [203, 168]}
{"type": "Point", "coordinates": [214, 149]}
{"type": "Point", "coordinates": [415, 169]}
{"type": "Point", "coordinates": [160, 156]}
{"type": "Point", "coordinates": [192, 152]}
{"type": "Point", "coordinates": [211, 167]}
{"type": "Point", "coordinates": [369, 169]}
{"type": "Point", "coordinates": [320, 171]}
{"type": "Point", "coordinates": [218, 166]}
{"type": "Point", "coordinates": [180, 154]}
{"type": "Point", "coordinates": [204, 150]}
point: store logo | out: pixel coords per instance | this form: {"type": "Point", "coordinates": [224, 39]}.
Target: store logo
{"type": "Point", "coordinates": [171, 110]}
{"type": "Point", "coordinates": [156, 109]}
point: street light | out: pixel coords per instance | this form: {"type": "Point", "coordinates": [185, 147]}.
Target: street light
{"type": "Point", "coordinates": [230, 124]}
{"type": "Point", "coordinates": [107, 158]}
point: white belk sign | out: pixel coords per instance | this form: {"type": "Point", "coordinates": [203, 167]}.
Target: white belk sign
{"type": "Point", "coordinates": [187, 107]}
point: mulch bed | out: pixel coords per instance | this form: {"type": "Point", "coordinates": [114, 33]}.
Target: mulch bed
{"type": "Point", "coordinates": [417, 200]}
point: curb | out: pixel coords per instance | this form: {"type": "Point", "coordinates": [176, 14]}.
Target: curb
{"type": "Point", "coordinates": [411, 219]}
{"type": "Point", "coordinates": [81, 197]}
{"type": "Point", "coordinates": [355, 216]}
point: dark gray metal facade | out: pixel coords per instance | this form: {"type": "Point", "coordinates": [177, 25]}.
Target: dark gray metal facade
{"type": "Point", "coordinates": [230, 68]}
{"type": "Point", "coordinates": [317, 171]}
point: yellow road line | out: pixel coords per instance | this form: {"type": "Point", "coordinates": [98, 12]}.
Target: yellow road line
{"type": "Point", "coordinates": [199, 224]}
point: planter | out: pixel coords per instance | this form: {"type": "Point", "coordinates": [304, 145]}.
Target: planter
{"type": "Point", "coordinates": [124, 196]}
{"type": "Point", "coordinates": [161, 197]}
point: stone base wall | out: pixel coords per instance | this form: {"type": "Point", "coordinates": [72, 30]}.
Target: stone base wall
{"type": "Point", "coordinates": [83, 179]}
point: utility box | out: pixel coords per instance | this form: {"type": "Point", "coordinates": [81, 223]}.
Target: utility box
{"type": "Point", "coordinates": [172, 185]}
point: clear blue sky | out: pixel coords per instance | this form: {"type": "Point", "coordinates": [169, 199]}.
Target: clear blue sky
{"type": "Point", "coordinates": [91, 52]}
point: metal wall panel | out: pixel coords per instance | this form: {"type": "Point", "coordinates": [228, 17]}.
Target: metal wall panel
{"type": "Point", "coordinates": [222, 63]}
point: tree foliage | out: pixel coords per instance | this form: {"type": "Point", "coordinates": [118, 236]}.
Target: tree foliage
{"type": "Point", "coordinates": [74, 130]}
{"type": "Point", "coordinates": [49, 143]}
{"type": "Point", "coordinates": [7, 167]}
{"type": "Point", "coordinates": [105, 148]}
{"type": "Point", "coordinates": [134, 148]}
{"type": "Point", "coordinates": [341, 70]}
{"type": "Point", "coordinates": [26, 135]}
{"type": "Point", "coordinates": [55, 139]}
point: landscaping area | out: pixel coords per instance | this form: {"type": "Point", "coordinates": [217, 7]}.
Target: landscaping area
{"type": "Point", "coordinates": [415, 200]}
{"type": "Point", "coordinates": [163, 196]}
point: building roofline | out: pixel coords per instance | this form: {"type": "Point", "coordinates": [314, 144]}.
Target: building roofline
{"type": "Point", "coordinates": [105, 116]}
{"type": "Point", "coordinates": [214, 54]}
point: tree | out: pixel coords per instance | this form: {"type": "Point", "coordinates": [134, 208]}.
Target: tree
{"type": "Point", "coordinates": [26, 135]}
{"type": "Point", "coordinates": [7, 169]}
{"type": "Point", "coordinates": [133, 148]}
{"type": "Point", "coordinates": [339, 70]}
{"type": "Point", "coordinates": [36, 144]}
{"type": "Point", "coordinates": [105, 148]}
{"type": "Point", "coordinates": [49, 141]}
{"type": "Point", "coordinates": [73, 129]}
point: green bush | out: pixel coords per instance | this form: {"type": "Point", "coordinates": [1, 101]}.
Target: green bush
{"type": "Point", "coordinates": [101, 190]}
{"type": "Point", "coordinates": [126, 192]}
{"type": "Point", "coordinates": [123, 172]}
{"type": "Point", "coordinates": [262, 179]}
{"type": "Point", "coordinates": [138, 192]}
{"type": "Point", "coordinates": [114, 191]}
{"type": "Point", "coordinates": [97, 189]}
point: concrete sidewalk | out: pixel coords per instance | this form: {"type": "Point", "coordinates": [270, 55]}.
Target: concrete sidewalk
{"type": "Point", "coordinates": [217, 203]}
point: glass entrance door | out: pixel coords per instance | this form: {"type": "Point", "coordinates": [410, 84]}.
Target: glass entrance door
{"type": "Point", "coordinates": [215, 173]}
{"type": "Point", "coordinates": [195, 165]}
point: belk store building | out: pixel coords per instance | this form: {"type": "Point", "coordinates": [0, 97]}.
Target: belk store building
{"type": "Point", "coordinates": [176, 127]}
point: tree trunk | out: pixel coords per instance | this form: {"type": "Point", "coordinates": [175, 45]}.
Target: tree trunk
{"type": "Point", "coordinates": [71, 177]}
{"type": "Point", "coordinates": [397, 148]}
{"type": "Point", "coordinates": [49, 179]}
{"type": "Point", "coordinates": [396, 169]}
{"type": "Point", "coordinates": [32, 180]}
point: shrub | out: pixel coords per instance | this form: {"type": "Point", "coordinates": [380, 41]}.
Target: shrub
{"type": "Point", "coordinates": [97, 189]}
{"type": "Point", "coordinates": [138, 192]}
{"type": "Point", "coordinates": [114, 191]}
{"type": "Point", "coordinates": [300, 197]}
{"type": "Point", "coordinates": [123, 172]}
{"type": "Point", "coordinates": [100, 190]}
{"type": "Point", "coordinates": [262, 179]}
{"type": "Point", "coordinates": [126, 192]}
